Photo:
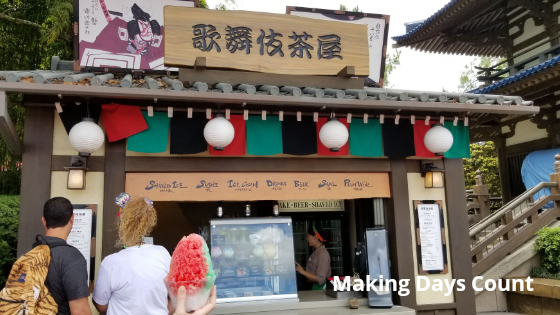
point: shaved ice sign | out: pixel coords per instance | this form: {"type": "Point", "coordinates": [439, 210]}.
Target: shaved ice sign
{"type": "Point", "coordinates": [123, 33]}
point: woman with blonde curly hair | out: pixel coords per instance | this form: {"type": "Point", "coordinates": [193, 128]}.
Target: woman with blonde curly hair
{"type": "Point", "coordinates": [131, 281]}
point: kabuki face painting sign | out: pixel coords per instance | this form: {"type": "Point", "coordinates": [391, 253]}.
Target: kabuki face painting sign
{"type": "Point", "coordinates": [123, 33]}
{"type": "Point", "coordinates": [264, 42]}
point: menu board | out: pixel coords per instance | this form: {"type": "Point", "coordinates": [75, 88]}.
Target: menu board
{"type": "Point", "coordinates": [82, 234]}
{"type": "Point", "coordinates": [430, 237]}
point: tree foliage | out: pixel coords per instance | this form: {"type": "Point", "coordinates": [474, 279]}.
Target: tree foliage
{"type": "Point", "coordinates": [31, 33]}
{"type": "Point", "coordinates": [391, 63]}
{"type": "Point", "coordinates": [484, 158]}
{"type": "Point", "coordinates": [469, 77]}
{"type": "Point", "coordinates": [9, 215]}
{"type": "Point", "coordinates": [345, 8]}
{"type": "Point", "coordinates": [225, 5]}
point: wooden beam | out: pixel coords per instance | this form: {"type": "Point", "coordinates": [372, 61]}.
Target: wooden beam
{"type": "Point", "coordinates": [347, 72]}
{"type": "Point", "coordinates": [200, 63]}
{"type": "Point", "coordinates": [458, 230]}
{"type": "Point", "coordinates": [257, 78]}
{"type": "Point", "coordinates": [35, 175]}
{"type": "Point", "coordinates": [7, 128]}
{"type": "Point", "coordinates": [94, 163]}
{"type": "Point", "coordinates": [234, 164]}
{"type": "Point", "coordinates": [115, 155]}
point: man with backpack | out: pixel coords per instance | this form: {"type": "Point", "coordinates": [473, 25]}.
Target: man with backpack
{"type": "Point", "coordinates": [51, 278]}
{"type": "Point", "coordinates": [67, 279]}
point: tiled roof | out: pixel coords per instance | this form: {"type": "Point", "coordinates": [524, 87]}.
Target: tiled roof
{"type": "Point", "coordinates": [417, 27]}
{"type": "Point", "coordinates": [160, 88]}
{"type": "Point", "coordinates": [457, 16]}
{"type": "Point", "coordinates": [519, 76]}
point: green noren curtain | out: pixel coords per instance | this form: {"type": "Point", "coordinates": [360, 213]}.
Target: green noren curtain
{"type": "Point", "coordinates": [366, 139]}
{"type": "Point", "coordinates": [460, 148]}
{"type": "Point", "coordinates": [264, 137]}
{"type": "Point", "coordinates": [153, 139]}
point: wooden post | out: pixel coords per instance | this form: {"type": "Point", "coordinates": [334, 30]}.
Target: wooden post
{"type": "Point", "coordinates": [483, 197]}
{"type": "Point", "coordinates": [555, 177]}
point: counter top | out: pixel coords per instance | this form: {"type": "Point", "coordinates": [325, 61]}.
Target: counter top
{"type": "Point", "coordinates": [310, 303]}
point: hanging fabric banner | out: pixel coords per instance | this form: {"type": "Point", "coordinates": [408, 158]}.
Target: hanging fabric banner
{"type": "Point", "coordinates": [154, 139]}
{"type": "Point", "coordinates": [122, 121]}
{"type": "Point", "coordinates": [264, 137]}
{"type": "Point", "coordinates": [299, 137]}
{"type": "Point", "coordinates": [321, 149]}
{"type": "Point", "coordinates": [187, 134]}
{"type": "Point", "coordinates": [73, 114]}
{"type": "Point", "coordinates": [237, 146]}
{"type": "Point", "coordinates": [398, 140]}
{"type": "Point", "coordinates": [420, 130]}
{"type": "Point", "coordinates": [366, 139]}
{"type": "Point", "coordinates": [461, 147]}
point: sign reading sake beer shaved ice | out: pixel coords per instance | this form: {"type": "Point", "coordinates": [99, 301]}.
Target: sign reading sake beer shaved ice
{"type": "Point", "coordinates": [191, 267]}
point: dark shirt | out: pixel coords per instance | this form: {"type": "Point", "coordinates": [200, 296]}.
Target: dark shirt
{"type": "Point", "coordinates": [67, 279]}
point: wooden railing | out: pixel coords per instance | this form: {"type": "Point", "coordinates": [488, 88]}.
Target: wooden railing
{"type": "Point", "coordinates": [479, 203]}
{"type": "Point", "coordinates": [500, 233]}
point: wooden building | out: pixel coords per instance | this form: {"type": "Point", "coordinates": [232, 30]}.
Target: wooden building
{"type": "Point", "coordinates": [392, 181]}
{"type": "Point", "coordinates": [524, 33]}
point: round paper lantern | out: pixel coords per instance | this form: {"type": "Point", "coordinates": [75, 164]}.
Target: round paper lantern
{"type": "Point", "coordinates": [219, 132]}
{"type": "Point", "coordinates": [86, 137]}
{"type": "Point", "coordinates": [333, 134]}
{"type": "Point", "coordinates": [438, 139]}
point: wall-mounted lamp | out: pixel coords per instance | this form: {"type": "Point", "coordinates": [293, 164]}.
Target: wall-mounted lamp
{"type": "Point", "coordinates": [433, 175]}
{"type": "Point", "coordinates": [77, 173]}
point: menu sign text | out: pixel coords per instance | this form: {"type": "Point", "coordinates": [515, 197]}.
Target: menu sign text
{"type": "Point", "coordinates": [257, 186]}
{"type": "Point", "coordinates": [80, 236]}
{"type": "Point", "coordinates": [430, 237]}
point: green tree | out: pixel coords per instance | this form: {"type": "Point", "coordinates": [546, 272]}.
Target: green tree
{"type": "Point", "coordinates": [31, 33]}
{"type": "Point", "coordinates": [391, 63]}
{"type": "Point", "coordinates": [483, 154]}
{"type": "Point", "coordinates": [345, 8]}
{"type": "Point", "coordinates": [9, 215]}
{"type": "Point", "coordinates": [226, 5]}
{"type": "Point", "coordinates": [484, 158]}
{"type": "Point", "coordinates": [469, 77]}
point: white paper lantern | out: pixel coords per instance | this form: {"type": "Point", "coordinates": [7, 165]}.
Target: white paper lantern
{"type": "Point", "coordinates": [86, 137]}
{"type": "Point", "coordinates": [438, 139]}
{"type": "Point", "coordinates": [333, 134]}
{"type": "Point", "coordinates": [219, 132]}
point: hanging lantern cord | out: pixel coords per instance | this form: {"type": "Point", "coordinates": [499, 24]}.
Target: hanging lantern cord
{"type": "Point", "coordinates": [87, 109]}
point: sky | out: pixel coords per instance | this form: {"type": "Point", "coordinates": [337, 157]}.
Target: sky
{"type": "Point", "coordinates": [418, 70]}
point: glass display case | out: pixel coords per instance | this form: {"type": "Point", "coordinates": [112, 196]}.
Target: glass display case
{"type": "Point", "coordinates": [253, 259]}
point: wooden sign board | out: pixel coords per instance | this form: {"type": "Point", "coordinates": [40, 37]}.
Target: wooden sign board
{"type": "Point", "coordinates": [256, 186]}
{"type": "Point", "coordinates": [264, 42]}
{"type": "Point", "coordinates": [431, 251]}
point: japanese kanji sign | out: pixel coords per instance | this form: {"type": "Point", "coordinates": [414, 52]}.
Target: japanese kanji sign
{"type": "Point", "coordinates": [377, 25]}
{"type": "Point", "coordinates": [263, 42]}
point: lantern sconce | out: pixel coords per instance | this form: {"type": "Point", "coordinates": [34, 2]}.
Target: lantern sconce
{"type": "Point", "coordinates": [77, 173]}
{"type": "Point", "coordinates": [433, 175]}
